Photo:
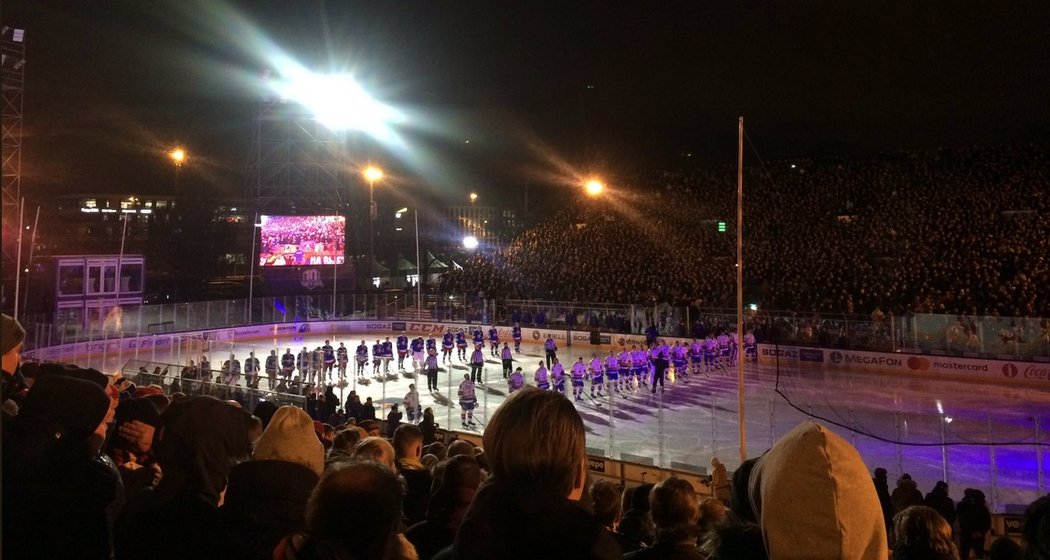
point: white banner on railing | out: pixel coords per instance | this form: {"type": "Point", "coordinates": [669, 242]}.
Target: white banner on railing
{"type": "Point", "coordinates": [968, 368]}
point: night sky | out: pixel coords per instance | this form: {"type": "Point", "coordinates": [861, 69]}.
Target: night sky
{"type": "Point", "coordinates": [537, 88]}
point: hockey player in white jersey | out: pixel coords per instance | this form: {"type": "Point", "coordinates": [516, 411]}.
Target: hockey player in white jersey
{"type": "Point", "coordinates": [579, 371]}
{"type": "Point", "coordinates": [541, 377]}
{"type": "Point", "coordinates": [467, 401]}
{"type": "Point", "coordinates": [597, 374]}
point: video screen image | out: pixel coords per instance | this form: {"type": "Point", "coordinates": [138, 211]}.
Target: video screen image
{"type": "Point", "coordinates": [302, 240]}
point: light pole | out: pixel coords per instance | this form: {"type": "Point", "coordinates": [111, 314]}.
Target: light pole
{"type": "Point", "coordinates": [178, 157]}
{"type": "Point", "coordinates": [371, 174]}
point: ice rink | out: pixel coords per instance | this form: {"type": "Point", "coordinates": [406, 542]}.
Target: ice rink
{"type": "Point", "coordinates": [689, 423]}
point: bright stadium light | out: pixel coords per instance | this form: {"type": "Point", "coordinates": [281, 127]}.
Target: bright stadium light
{"type": "Point", "coordinates": [337, 101]}
{"type": "Point", "coordinates": [372, 173]}
{"type": "Point", "coordinates": [594, 187]}
{"type": "Point", "coordinates": [470, 242]}
{"type": "Point", "coordinates": [178, 155]}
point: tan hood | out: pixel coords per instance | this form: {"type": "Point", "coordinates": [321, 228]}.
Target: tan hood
{"type": "Point", "coordinates": [814, 499]}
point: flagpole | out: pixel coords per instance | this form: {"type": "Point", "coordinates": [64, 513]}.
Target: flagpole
{"type": "Point", "coordinates": [740, 287]}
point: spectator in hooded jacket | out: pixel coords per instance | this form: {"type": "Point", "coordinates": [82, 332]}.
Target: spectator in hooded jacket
{"type": "Point", "coordinates": [456, 481]}
{"type": "Point", "coordinates": [257, 513]}
{"type": "Point", "coordinates": [974, 522]}
{"type": "Point", "coordinates": [906, 494]}
{"type": "Point", "coordinates": [56, 492]}
{"type": "Point", "coordinates": [199, 441]}
{"type": "Point", "coordinates": [939, 500]}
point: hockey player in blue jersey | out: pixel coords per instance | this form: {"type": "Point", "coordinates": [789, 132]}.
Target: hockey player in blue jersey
{"type": "Point", "coordinates": [402, 351]}
{"type": "Point", "coordinates": [624, 361]}
{"type": "Point", "coordinates": [377, 358]}
{"type": "Point", "coordinates": [696, 354]}
{"type": "Point", "coordinates": [461, 345]}
{"type": "Point", "coordinates": [493, 341]}
{"type": "Point", "coordinates": [447, 344]}
{"type": "Point", "coordinates": [418, 356]}
{"type": "Point", "coordinates": [432, 345]}
{"type": "Point", "coordinates": [287, 363]}
{"type": "Point", "coordinates": [515, 333]}
{"type": "Point", "coordinates": [478, 336]}
{"type": "Point", "coordinates": [361, 356]}
{"type": "Point", "coordinates": [388, 355]}
{"type": "Point", "coordinates": [328, 355]}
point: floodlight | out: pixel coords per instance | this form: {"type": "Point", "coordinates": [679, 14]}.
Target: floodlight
{"type": "Point", "coordinates": [470, 242]}
{"type": "Point", "coordinates": [594, 187]}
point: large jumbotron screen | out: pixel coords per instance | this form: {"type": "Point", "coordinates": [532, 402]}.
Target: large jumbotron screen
{"type": "Point", "coordinates": [302, 240]}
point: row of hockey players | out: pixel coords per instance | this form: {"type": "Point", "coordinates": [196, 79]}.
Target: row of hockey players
{"type": "Point", "coordinates": [321, 364]}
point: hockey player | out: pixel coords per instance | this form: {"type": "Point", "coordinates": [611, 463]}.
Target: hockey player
{"type": "Point", "coordinates": [550, 348]}
{"type": "Point", "coordinates": [302, 363]}
{"type": "Point", "coordinates": [377, 358]}
{"type": "Point", "coordinates": [432, 345]}
{"type": "Point", "coordinates": [316, 364]}
{"type": "Point", "coordinates": [724, 350]}
{"type": "Point", "coordinates": [271, 368]}
{"type": "Point", "coordinates": [446, 347]}
{"type": "Point", "coordinates": [287, 363]}
{"type": "Point", "coordinates": [679, 359]}
{"type": "Point", "coordinates": [461, 345]}
{"type": "Point", "coordinates": [411, 403]}
{"type": "Point", "coordinates": [710, 353]}
{"type": "Point", "coordinates": [516, 380]}
{"type": "Point", "coordinates": [750, 348]}
{"type": "Point", "coordinates": [251, 371]}
{"type": "Point", "coordinates": [418, 357]}
{"type": "Point", "coordinates": [696, 353]}
{"type": "Point", "coordinates": [493, 341]}
{"type": "Point", "coordinates": [624, 361]}
{"type": "Point", "coordinates": [597, 374]}
{"type": "Point", "coordinates": [478, 336]}
{"type": "Point", "coordinates": [467, 401]}
{"type": "Point", "coordinates": [515, 333]}
{"type": "Point", "coordinates": [734, 348]}
{"type": "Point", "coordinates": [232, 371]}
{"type": "Point", "coordinates": [477, 364]}
{"type": "Point", "coordinates": [541, 377]}
{"type": "Point", "coordinates": [558, 376]}
{"type": "Point", "coordinates": [639, 365]}
{"type": "Point", "coordinates": [205, 368]}
{"type": "Point", "coordinates": [612, 371]}
{"type": "Point", "coordinates": [579, 371]}
{"type": "Point", "coordinates": [342, 359]}
{"type": "Point", "coordinates": [430, 365]}
{"type": "Point", "coordinates": [508, 359]}
{"type": "Point", "coordinates": [402, 351]}
{"type": "Point", "coordinates": [388, 355]}
{"type": "Point", "coordinates": [361, 355]}
{"type": "Point", "coordinates": [329, 360]}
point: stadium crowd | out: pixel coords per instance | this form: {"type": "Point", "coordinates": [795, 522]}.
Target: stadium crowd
{"type": "Point", "coordinates": [94, 467]}
{"type": "Point", "coordinates": [956, 231]}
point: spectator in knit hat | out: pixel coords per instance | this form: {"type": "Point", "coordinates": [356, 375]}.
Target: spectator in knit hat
{"type": "Point", "coordinates": [12, 336]}
{"type": "Point", "coordinates": [199, 441]}
{"type": "Point", "coordinates": [354, 512]}
{"type": "Point", "coordinates": [56, 492]}
{"type": "Point", "coordinates": [257, 513]}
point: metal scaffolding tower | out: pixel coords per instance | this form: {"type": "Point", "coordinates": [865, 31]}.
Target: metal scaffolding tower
{"type": "Point", "coordinates": [12, 77]}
